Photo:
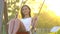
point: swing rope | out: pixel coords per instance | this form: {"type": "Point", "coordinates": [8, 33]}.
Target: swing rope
{"type": "Point", "coordinates": [41, 7]}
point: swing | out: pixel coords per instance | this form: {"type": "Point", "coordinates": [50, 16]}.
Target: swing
{"type": "Point", "coordinates": [31, 26]}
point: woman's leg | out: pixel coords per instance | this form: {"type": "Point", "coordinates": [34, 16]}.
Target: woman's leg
{"type": "Point", "coordinates": [19, 26]}
{"type": "Point", "coordinates": [15, 25]}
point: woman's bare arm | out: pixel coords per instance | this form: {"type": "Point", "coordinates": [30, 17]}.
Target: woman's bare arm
{"type": "Point", "coordinates": [34, 21]}
{"type": "Point", "coordinates": [10, 26]}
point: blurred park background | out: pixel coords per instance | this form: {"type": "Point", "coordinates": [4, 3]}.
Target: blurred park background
{"type": "Point", "coordinates": [49, 13]}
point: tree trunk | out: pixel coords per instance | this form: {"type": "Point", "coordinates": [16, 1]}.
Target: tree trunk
{"type": "Point", "coordinates": [5, 15]}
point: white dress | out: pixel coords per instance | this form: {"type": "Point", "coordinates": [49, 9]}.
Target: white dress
{"type": "Point", "coordinates": [27, 23]}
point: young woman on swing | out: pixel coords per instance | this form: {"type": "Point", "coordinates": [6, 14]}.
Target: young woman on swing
{"type": "Point", "coordinates": [24, 24]}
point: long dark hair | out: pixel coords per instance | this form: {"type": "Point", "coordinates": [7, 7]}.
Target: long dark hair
{"type": "Point", "coordinates": [29, 11]}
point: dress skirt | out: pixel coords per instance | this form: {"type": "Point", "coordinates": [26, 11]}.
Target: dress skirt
{"type": "Point", "coordinates": [23, 32]}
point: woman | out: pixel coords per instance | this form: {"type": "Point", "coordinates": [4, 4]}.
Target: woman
{"type": "Point", "coordinates": [24, 24]}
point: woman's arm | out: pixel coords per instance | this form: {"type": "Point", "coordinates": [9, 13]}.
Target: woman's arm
{"type": "Point", "coordinates": [34, 22]}
{"type": "Point", "coordinates": [10, 26]}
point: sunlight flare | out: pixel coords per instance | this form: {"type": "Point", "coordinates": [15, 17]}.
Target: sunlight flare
{"type": "Point", "coordinates": [54, 5]}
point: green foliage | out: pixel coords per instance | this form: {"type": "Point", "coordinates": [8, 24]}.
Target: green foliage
{"type": "Point", "coordinates": [58, 32]}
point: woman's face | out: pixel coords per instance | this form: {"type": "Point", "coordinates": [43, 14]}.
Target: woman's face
{"type": "Point", "coordinates": [25, 10]}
